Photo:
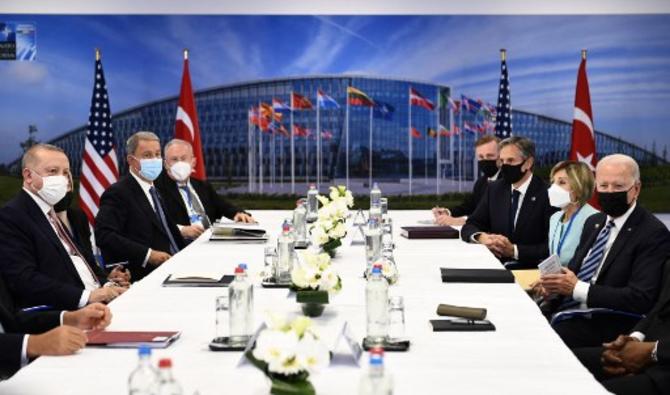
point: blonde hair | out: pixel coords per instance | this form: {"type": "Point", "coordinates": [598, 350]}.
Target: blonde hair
{"type": "Point", "coordinates": [580, 179]}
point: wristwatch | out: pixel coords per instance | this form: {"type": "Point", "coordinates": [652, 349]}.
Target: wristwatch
{"type": "Point", "coordinates": [654, 353]}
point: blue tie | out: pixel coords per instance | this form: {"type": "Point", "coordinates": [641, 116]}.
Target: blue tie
{"type": "Point", "coordinates": [161, 216]}
{"type": "Point", "coordinates": [591, 263]}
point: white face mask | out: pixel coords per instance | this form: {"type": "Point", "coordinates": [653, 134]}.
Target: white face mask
{"type": "Point", "coordinates": [559, 197]}
{"type": "Point", "coordinates": [53, 189]}
{"type": "Point", "coordinates": [181, 171]}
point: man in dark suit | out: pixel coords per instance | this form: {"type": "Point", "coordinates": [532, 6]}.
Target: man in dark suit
{"type": "Point", "coordinates": [132, 224]}
{"type": "Point", "coordinates": [487, 151]}
{"type": "Point", "coordinates": [40, 262]}
{"type": "Point", "coordinates": [638, 363]}
{"type": "Point", "coordinates": [186, 197]}
{"type": "Point", "coordinates": [27, 335]}
{"type": "Point", "coordinates": [512, 219]}
{"type": "Point", "coordinates": [618, 263]}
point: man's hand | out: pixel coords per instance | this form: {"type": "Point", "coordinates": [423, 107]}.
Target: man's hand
{"type": "Point", "coordinates": [192, 232]}
{"type": "Point", "coordinates": [105, 294]}
{"type": "Point", "coordinates": [537, 290]}
{"type": "Point", "coordinates": [95, 316]}
{"type": "Point", "coordinates": [63, 340]}
{"type": "Point", "coordinates": [636, 356]}
{"type": "Point", "coordinates": [562, 284]}
{"type": "Point", "coordinates": [446, 219]}
{"type": "Point", "coordinates": [611, 359]}
{"type": "Point", "coordinates": [244, 217]}
{"type": "Point", "coordinates": [120, 276]}
{"type": "Point", "coordinates": [504, 247]}
{"type": "Point", "coordinates": [158, 257]}
{"type": "Point", "coordinates": [438, 211]}
{"type": "Point", "coordinates": [489, 240]}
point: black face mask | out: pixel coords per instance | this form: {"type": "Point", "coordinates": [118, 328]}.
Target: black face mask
{"type": "Point", "coordinates": [512, 173]}
{"type": "Point", "coordinates": [614, 204]}
{"type": "Point", "coordinates": [489, 167]}
{"type": "Point", "coordinates": [64, 203]}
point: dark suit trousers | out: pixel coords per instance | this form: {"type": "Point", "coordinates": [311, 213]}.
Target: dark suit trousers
{"type": "Point", "coordinates": [594, 331]}
{"type": "Point", "coordinates": [639, 384]}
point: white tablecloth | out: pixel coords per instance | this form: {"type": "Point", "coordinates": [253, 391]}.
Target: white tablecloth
{"type": "Point", "coordinates": [523, 356]}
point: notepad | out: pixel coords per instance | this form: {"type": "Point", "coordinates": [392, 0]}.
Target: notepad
{"type": "Point", "coordinates": [195, 279]}
{"type": "Point", "coordinates": [123, 339]}
{"type": "Point", "coordinates": [476, 276]}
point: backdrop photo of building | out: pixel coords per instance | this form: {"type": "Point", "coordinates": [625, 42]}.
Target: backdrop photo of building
{"type": "Point", "coordinates": [379, 138]}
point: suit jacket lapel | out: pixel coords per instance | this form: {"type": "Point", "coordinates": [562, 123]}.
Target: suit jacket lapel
{"type": "Point", "coordinates": [594, 231]}
{"type": "Point", "coordinates": [622, 237]}
{"type": "Point", "coordinates": [141, 198]}
{"type": "Point", "coordinates": [528, 205]}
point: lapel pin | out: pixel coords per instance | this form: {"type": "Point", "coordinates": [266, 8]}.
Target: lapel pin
{"type": "Point", "coordinates": [597, 226]}
{"type": "Point", "coordinates": [532, 199]}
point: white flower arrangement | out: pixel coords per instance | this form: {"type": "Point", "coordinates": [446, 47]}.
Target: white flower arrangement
{"type": "Point", "coordinates": [290, 348]}
{"type": "Point", "coordinates": [330, 228]}
{"type": "Point", "coordinates": [314, 272]}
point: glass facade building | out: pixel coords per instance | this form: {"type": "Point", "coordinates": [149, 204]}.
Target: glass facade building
{"type": "Point", "coordinates": [238, 152]}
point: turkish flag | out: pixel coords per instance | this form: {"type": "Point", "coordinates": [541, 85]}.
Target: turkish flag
{"type": "Point", "coordinates": [583, 146]}
{"type": "Point", "coordinates": [186, 125]}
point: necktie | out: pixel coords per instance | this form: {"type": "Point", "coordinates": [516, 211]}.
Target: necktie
{"type": "Point", "coordinates": [161, 217]}
{"type": "Point", "coordinates": [592, 262]}
{"type": "Point", "coordinates": [514, 206]}
{"type": "Point", "coordinates": [63, 235]}
{"type": "Point", "coordinates": [196, 206]}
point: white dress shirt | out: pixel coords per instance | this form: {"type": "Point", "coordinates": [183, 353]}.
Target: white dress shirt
{"type": "Point", "coordinates": [523, 188]}
{"type": "Point", "coordinates": [581, 291]}
{"type": "Point", "coordinates": [145, 188]}
{"type": "Point", "coordinates": [85, 275]}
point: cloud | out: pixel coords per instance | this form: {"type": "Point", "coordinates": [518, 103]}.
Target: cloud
{"type": "Point", "coordinates": [31, 73]}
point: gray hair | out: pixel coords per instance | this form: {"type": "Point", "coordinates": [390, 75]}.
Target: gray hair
{"type": "Point", "coordinates": [175, 142]}
{"type": "Point", "coordinates": [134, 140]}
{"type": "Point", "coordinates": [526, 146]}
{"type": "Point", "coordinates": [621, 159]}
{"type": "Point", "coordinates": [30, 156]}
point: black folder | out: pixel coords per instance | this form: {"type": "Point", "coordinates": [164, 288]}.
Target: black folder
{"type": "Point", "coordinates": [429, 232]}
{"type": "Point", "coordinates": [195, 281]}
{"type": "Point", "coordinates": [460, 325]}
{"type": "Point", "coordinates": [476, 276]}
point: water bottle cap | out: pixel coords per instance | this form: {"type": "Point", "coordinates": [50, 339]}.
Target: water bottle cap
{"type": "Point", "coordinates": [165, 363]}
{"type": "Point", "coordinates": [143, 350]}
{"type": "Point", "coordinates": [375, 186]}
{"type": "Point", "coordinates": [312, 186]}
{"type": "Point", "coordinates": [377, 350]}
{"type": "Point", "coordinates": [377, 270]}
{"type": "Point", "coordinates": [243, 266]}
{"type": "Point", "coordinates": [239, 270]}
{"type": "Point", "coordinates": [377, 265]}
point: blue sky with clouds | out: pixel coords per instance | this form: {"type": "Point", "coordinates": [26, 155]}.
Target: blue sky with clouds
{"type": "Point", "coordinates": [628, 66]}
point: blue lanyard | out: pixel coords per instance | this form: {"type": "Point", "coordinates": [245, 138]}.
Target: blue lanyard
{"type": "Point", "coordinates": [563, 236]}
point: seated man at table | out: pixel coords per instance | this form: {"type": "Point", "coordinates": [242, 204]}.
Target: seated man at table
{"type": "Point", "coordinates": [487, 151]}
{"type": "Point", "coordinates": [618, 263]}
{"type": "Point", "coordinates": [132, 224]}
{"type": "Point", "coordinates": [512, 219]}
{"type": "Point", "coordinates": [191, 203]}
{"type": "Point", "coordinates": [28, 335]}
{"type": "Point", "coordinates": [41, 262]}
{"type": "Point", "coordinates": [637, 363]}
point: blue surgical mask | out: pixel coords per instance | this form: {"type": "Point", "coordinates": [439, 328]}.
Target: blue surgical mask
{"type": "Point", "coordinates": [151, 168]}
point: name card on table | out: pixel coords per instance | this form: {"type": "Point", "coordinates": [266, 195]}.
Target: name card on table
{"type": "Point", "coordinates": [353, 350]}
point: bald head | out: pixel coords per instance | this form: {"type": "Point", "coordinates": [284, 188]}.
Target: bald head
{"type": "Point", "coordinates": [621, 162]}
{"type": "Point", "coordinates": [618, 173]}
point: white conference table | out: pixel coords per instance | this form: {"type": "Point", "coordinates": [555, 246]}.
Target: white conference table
{"type": "Point", "coordinates": [523, 356]}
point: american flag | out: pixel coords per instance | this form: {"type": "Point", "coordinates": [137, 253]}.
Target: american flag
{"type": "Point", "coordinates": [100, 168]}
{"type": "Point", "coordinates": [504, 107]}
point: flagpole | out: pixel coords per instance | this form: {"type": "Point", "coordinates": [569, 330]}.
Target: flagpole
{"type": "Point", "coordinates": [306, 136]}
{"type": "Point", "coordinates": [460, 149]}
{"type": "Point", "coordinates": [425, 161]}
{"type": "Point", "coordinates": [346, 136]}
{"type": "Point", "coordinates": [273, 154]}
{"type": "Point", "coordinates": [370, 158]}
{"type": "Point", "coordinates": [260, 149]}
{"type": "Point", "coordinates": [451, 144]}
{"type": "Point", "coordinates": [281, 162]}
{"type": "Point", "coordinates": [318, 143]}
{"type": "Point", "coordinates": [409, 135]}
{"type": "Point", "coordinates": [250, 158]}
{"type": "Point", "coordinates": [437, 144]}
{"type": "Point", "coordinates": [292, 148]}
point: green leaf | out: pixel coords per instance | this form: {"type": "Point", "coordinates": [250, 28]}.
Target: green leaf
{"type": "Point", "coordinates": [312, 297]}
{"type": "Point", "coordinates": [283, 387]}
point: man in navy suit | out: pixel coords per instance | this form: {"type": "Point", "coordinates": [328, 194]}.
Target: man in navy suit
{"type": "Point", "coordinates": [41, 263]}
{"type": "Point", "coordinates": [512, 218]}
{"type": "Point", "coordinates": [27, 335]}
{"type": "Point", "coordinates": [618, 264]}
{"type": "Point", "coordinates": [132, 224]}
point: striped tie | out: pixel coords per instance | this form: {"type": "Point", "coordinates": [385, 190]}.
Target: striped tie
{"type": "Point", "coordinates": [591, 263]}
{"type": "Point", "coordinates": [158, 208]}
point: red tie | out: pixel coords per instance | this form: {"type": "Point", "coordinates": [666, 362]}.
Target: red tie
{"type": "Point", "coordinates": [65, 238]}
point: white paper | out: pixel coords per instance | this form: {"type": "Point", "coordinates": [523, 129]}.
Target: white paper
{"type": "Point", "coordinates": [551, 265]}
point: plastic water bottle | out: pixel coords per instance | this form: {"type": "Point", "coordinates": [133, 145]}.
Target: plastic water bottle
{"type": "Point", "coordinates": [167, 385]}
{"type": "Point", "coordinates": [143, 380]}
{"type": "Point", "coordinates": [376, 306]}
{"type": "Point", "coordinates": [373, 243]}
{"type": "Point", "coordinates": [285, 254]}
{"type": "Point", "coordinates": [312, 204]}
{"type": "Point", "coordinates": [376, 203]}
{"type": "Point", "coordinates": [241, 308]}
{"type": "Point", "coordinates": [376, 381]}
{"type": "Point", "coordinates": [300, 222]}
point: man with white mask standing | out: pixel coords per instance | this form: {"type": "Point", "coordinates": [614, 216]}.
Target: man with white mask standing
{"type": "Point", "coordinates": [132, 225]}
{"type": "Point", "coordinates": [41, 263]}
{"type": "Point", "coordinates": [193, 204]}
